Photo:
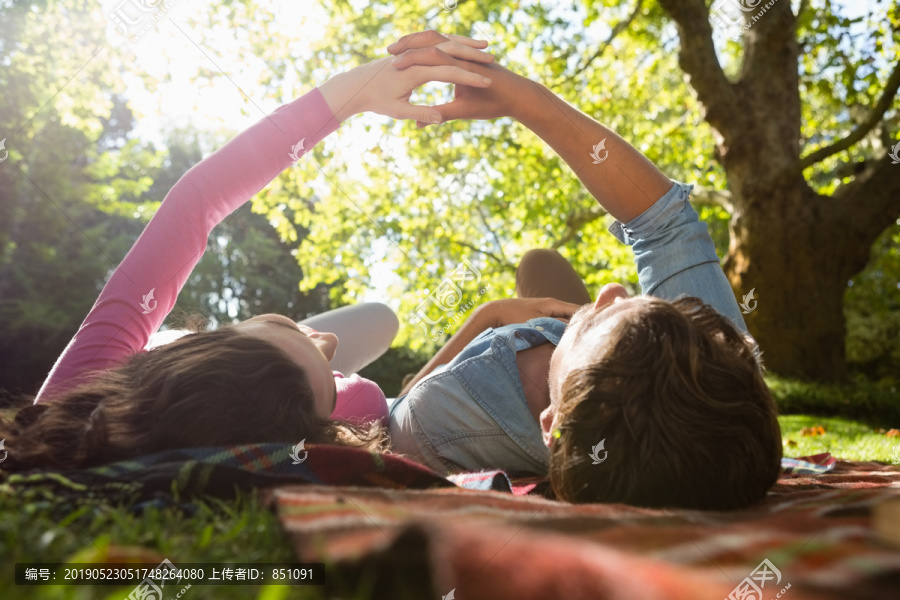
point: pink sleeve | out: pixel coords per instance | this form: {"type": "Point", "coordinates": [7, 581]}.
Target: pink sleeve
{"type": "Point", "coordinates": [143, 289]}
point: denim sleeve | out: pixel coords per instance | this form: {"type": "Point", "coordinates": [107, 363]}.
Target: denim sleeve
{"type": "Point", "coordinates": [675, 256]}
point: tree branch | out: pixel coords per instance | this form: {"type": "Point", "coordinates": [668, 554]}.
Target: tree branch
{"type": "Point", "coordinates": [576, 221]}
{"type": "Point", "coordinates": [500, 260]}
{"type": "Point", "coordinates": [884, 103]}
{"type": "Point", "coordinates": [490, 229]}
{"type": "Point", "coordinates": [704, 196]}
{"type": "Point", "coordinates": [619, 28]}
{"type": "Point", "coordinates": [697, 57]}
{"type": "Point", "coordinates": [870, 202]}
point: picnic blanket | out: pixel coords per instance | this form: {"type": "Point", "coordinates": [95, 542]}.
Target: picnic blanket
{"type": "Point", "coordinates": [810, 538]}
{"type": "Point", "coordinates": [399, 530]}
{"type": "Point", "coordinates": [176, 477]}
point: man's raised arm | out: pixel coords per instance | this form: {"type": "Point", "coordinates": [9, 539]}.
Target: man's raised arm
{"type": "Point", "coordinates": [622, 179]}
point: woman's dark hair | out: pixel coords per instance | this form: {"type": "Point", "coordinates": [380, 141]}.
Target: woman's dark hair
{"type": "Point", "coordinates": [208, 388]}
{"type": "Point", "coordinates": [685, 415]}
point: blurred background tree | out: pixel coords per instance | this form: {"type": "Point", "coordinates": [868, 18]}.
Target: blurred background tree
{"type": "Point", "coordinates": [77, 189]}
{"type": "Point", "coordinates": [785, 132]}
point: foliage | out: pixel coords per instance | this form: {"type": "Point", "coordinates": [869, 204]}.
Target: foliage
{"type": "Point", "coordinates": [874, 403]}
{"type": "Point", "coordinates": [872, 307]}
{"type": "Point", "coordinates": [67, 182]}
{"type": "Point", "coordinates": [390, 370]}
{"type": "Point", "coordinates": [78, 188]}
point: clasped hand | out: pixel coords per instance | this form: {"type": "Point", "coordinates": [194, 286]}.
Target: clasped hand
{"type": "Point", "coordinates": [385, 86]}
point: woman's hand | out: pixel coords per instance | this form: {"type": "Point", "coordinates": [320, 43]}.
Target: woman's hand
{"type": "Point", "coordinates": [382, 88]}
{"type": "Point", "coordinates": [503, 98]}
{"type": "Point", "coordinates": [510, 311]}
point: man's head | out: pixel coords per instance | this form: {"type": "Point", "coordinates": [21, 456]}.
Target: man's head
{"type": "Point", "coordinates": [676, 392]}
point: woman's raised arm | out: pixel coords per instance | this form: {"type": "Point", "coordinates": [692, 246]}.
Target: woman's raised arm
{"type": "Point", "coordinates": [143, 288]}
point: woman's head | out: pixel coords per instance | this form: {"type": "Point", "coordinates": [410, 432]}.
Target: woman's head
{"type": "Point", "coordinates": [309, 349]}
{"type": "Point", "coordinates": [229, 386]}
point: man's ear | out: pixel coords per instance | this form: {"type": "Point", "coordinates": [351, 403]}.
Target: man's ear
{"type": "Point", "coordinates": [548, 422]}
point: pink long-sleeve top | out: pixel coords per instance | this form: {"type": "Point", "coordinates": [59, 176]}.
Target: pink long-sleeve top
{"type": "Point", "coordinates": [143, 288]}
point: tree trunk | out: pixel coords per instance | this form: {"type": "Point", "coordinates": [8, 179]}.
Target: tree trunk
{"type": "Point", "coordinates": [796, 249]}
{"type": "Point", "coordinates": [787, 249]}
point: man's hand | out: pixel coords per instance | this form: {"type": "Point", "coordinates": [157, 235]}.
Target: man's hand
{"type": "Point", "coordinates": [381, 87]}
{"type": "Point", "coordinates": [503, 98]}
{"type": "Point", "coordinates": [511, 311]}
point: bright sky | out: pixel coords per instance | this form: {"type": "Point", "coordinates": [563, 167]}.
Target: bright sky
{"type": "Point", "coordinates": [169, 55]}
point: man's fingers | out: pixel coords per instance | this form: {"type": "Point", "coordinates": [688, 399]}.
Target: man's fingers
{"type": "Point", "coordinates": [447, 74]}
{"type": "Point", "coordinates": [420, 39]}
{"type": "Point", "coordinates": [468, 41]}
{"type": "Point", "coordinates": [423, 39]}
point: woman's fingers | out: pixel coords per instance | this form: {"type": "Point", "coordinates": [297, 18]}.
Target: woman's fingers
{"type": "Point", "coordinates": [420, 74]}
{"type": "Point", "coordinates": [449, 111]}
{"type": "Point", "coordinates": [424, 39]}
{"type": "Point", "coordinates": [438, 55]}
{"type": "Point", "coordinates": [427, 115]}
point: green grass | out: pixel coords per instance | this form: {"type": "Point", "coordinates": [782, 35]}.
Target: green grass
{"type": "Point", "coordinates": [856, 417]}
{"type": "Point", "coordinates": [848, 440]}
{"type": "Point", "coordinates": [218, 532]}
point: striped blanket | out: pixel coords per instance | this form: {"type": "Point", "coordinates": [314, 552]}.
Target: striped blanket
{"type": "Point", "coordinates": [811, 538]}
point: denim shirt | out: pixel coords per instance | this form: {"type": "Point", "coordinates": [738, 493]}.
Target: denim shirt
{"type": "Point", "coordinates": [472, 414]}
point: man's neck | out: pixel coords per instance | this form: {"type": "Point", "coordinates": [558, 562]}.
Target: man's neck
{"type": "Point", "coordinates": [534, 371]}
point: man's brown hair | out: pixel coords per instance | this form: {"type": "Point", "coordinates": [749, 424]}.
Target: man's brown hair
{"type": "Point", "coordinates": [687, 419]}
